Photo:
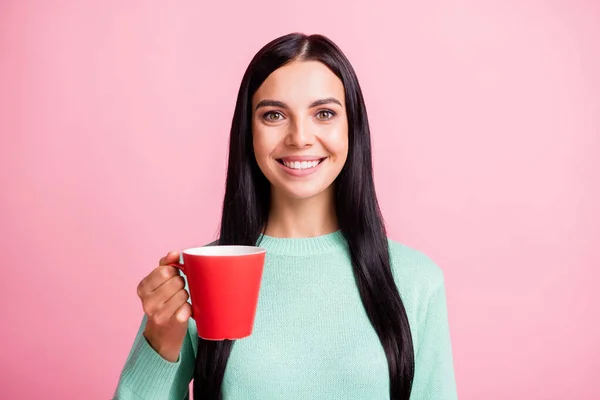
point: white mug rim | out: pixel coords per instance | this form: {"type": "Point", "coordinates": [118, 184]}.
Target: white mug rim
{"type": "Point", "coordinates": [223, 251]}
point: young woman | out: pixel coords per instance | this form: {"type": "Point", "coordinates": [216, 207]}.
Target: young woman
{"type": "Point", "coordinates": [344, 312]}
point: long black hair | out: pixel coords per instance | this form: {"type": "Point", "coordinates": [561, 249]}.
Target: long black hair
{"type": "Point", "coordinates": [246, 209]}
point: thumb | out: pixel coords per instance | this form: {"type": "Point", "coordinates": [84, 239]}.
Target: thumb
{"type": "Point", "coordinates": [171, 257]}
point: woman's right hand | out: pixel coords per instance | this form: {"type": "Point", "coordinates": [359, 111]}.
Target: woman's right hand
{"type": "Point", "coordinates": [164, 300]}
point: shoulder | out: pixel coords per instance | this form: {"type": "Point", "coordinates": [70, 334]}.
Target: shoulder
{"type": "Point", "coordinates": [413, 270]}
{"type": "Point", "coordinates": [418, 279]}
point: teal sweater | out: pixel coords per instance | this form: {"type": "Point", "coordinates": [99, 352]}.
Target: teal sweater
{"type": "Point", "coordinates": [312, 338]}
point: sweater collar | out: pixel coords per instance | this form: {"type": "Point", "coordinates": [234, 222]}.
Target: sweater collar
{"type": "Point", "coordinates": [322, 244]}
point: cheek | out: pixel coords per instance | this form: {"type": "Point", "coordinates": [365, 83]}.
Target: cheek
{"type": "Point", "coordinates": [264, 144]}
{"type": "Point", "coordinates": [337, 142]}
{"type": "Point", "coordinates": [261, 149]}
{"type": "Point", "coordinates": [258, 140]}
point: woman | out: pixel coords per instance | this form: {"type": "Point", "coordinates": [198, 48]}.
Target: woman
{"type": "Point", "coordinates": [344, 312]}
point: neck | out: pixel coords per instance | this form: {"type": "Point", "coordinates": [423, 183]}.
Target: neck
{"type": "Point", "coordinates": [302, 218]}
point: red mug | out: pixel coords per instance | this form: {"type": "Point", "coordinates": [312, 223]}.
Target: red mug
{"type": "Point", "coordinates": [224, 284]}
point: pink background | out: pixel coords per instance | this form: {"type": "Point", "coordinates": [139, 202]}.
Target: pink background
{"type": "Point", "coordinates": [114, 121]}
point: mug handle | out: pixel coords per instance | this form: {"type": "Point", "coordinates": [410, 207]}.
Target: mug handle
{"type": "Point", "coordinates": [181, 267]}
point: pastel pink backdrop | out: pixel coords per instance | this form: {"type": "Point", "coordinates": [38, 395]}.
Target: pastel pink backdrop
{"type": "Point", "coordinates": [486, 122]}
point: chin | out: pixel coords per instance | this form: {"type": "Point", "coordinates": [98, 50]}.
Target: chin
{"type": "Point", "coordinates": [302, 193]}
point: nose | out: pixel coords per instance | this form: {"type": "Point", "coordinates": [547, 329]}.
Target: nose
{"type": "Point", "coordinates": [299, 135]}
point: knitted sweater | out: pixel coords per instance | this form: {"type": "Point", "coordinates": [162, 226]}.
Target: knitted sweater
{"type": "Point", "coordinates": [312, 338]}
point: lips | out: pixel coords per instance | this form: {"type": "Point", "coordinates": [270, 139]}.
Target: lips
{"type": "Point", "coordinates": [300, 164]}
{"type": "Point", "coordinates": [301, 158]}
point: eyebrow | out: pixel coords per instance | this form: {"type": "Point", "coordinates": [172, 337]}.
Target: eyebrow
{"type": "Point", "coordinates": [280, 104]}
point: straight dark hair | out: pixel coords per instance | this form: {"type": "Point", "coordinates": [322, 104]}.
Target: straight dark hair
{"type": "Point", "coordinates": [246, 209]}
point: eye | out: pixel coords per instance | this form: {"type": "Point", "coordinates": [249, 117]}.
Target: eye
{"type": "Point", "coordinates": [272, 116]}
{"type": "Point", "coordinates": [325, 115]}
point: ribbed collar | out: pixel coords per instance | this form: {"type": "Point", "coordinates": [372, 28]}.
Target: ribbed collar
{"type": "Point", "coordinates": [303, 246]}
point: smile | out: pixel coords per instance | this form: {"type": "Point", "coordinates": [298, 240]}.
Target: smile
{"type": "Point", "coordinates": [300, 167]}
{"type": "Point", "coordinates": [301, 164]}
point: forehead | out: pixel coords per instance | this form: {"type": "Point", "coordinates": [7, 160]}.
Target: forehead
{"type": "Point", "coordinates": [299, 83]}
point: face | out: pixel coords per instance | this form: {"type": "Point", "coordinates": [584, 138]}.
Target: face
{"type": "Point", "coordinates": [300, 129]}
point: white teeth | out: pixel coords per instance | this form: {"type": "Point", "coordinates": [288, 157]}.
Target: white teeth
{"type": "Point", "coordinates": [301, 164]}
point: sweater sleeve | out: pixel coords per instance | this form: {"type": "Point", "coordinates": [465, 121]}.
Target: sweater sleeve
{"type": "Point", "coordinates": [148, 376]}
{"type": "Point", "coordinates": [434, 370]}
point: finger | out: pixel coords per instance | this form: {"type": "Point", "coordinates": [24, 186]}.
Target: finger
{"type": "Point", "coordinates": [156, 300]}
{"type": "Point", "coordinates": [158, 277]}
{"type": "Point", "coordinates": [172, 306]}
{"type": "Point", "coordinates": [184, 313]}
{"type": "Point", "coordinates": [171, 257]}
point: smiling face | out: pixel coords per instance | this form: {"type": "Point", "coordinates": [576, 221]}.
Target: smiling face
{"type": "Point", "coordinates": [300, 129]}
